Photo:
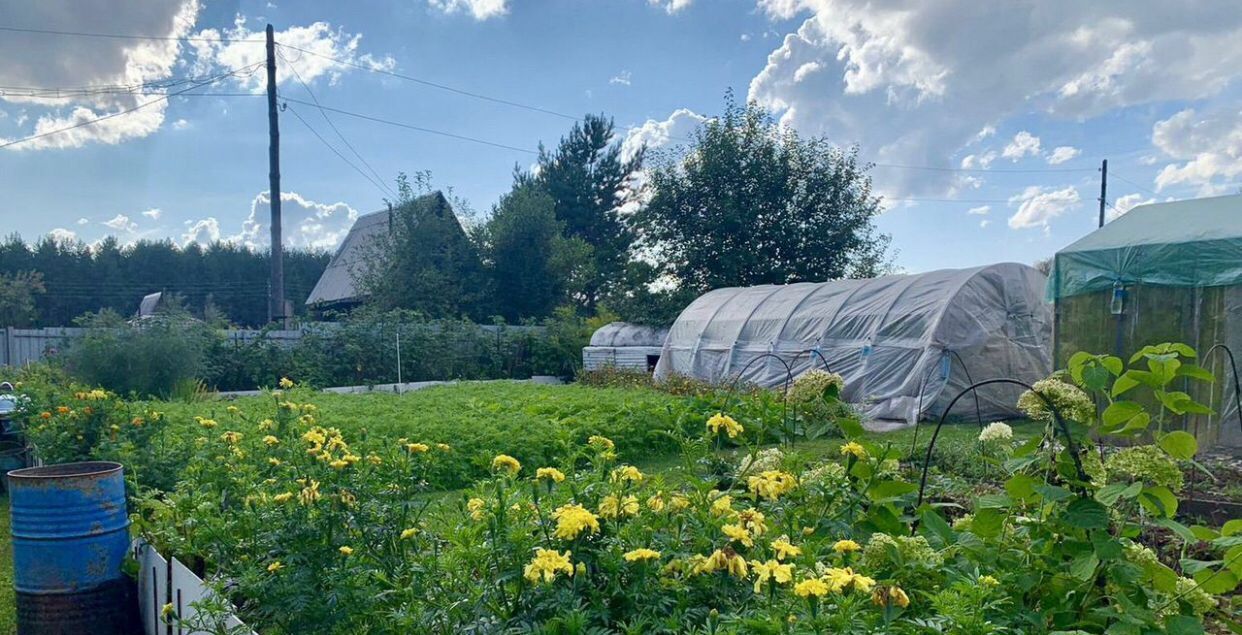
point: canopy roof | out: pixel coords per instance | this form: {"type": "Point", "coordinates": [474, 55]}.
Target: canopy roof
{"type": "Point", "coordinates": [626, 334]}
{"type": "Point", "coordinates": [1192, 243]}
{"type": "Point", "coordinates": [884, 335]}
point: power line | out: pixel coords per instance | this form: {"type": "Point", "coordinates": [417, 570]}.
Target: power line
{"type": "Point", "coordinates": [119, 113]}
{"type": "Point", "coordinates": [1122, 178]}
{"type": "Point", "coordinates": [411, 126]}
{"type": "Point", "coordinates": [357, 169]}
{"type": "Point", "coordinates": [934, 168]}
{"type": "Point", "coordinates": [379, 181]}
{"type": "Point", "coordinates": [425, 82]}
{"type": "Point", "coordinates": [126, 36]}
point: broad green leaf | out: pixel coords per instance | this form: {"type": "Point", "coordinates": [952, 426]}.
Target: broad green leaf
{"type": "Point", "coordinates": [1108, 494]}
{"type": "Point", "coordinates": [1159, 501]}
{"type": "Point", "coordinates": [1029, 447]}
{"type": "Point", "coordinates": [1113, 364]}
{"type": "Point", "coordinates": [1083, 567]}
{"type": "Point", "coordinates": [1181, 530]}
{"type": "Point", "coordinates": [1193, 371]}
{"type": "Point", "coordinates": [1106, 547]}
{"type": "Point", "coordinates": [1217, 582]}
{"type": "Point", "coordinates": [1123, 383]}
{"type": "Point", "coordinates": [1206, 534]}
{"type": "Point", "coordinates": [1183, 625]}
{"type": "Point", "coordinates": [988, 522]}
{"type": "Point", "coordinates": [1052, 493]}
{"type": "Point", "coordinates": [1085, 513]}
{"type": "Point", "coordinates": [851, 428]}
{"type": "Point", "coordinates": [993, 501]}
{"type": "Point", "coordinates": [1119, 414]}
{"type": "Point", "coordinates": [935, 525]}
{"type": "Point", "coordinates": [1021, 486]}
{"type": "Point", "coordinates": [1095, 377]}
{"type": "Point", "coordinates": [886, 490]}
{"type": "Point", "coordinates": [1180, 445]}
{"type": "Point", "coordinates": [1232, 527]}
{"type": "Point", "coordinates": [1163, 578]}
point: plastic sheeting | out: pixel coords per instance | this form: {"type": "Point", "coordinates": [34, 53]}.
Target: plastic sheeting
{"type": "Point", "coordinates": [626, 334]}
{"type": "Point", "coordinates": [892, 338]}
{"type": "Point", "coordinates": [1192, 243]}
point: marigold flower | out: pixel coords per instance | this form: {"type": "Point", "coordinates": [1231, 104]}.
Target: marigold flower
{"type": "Point", "coordinates": [770, 570]}
{"type": "Point", "coordinates": [507, 464]}
{"type": "Point", "coordinates": [678, 502]}
{"type": "Point", "coordinates": [846, 546]}
{"type": "Point", "coordinates": [811, 588]}
{"type": "Point", "coordinates": [283, 497]}
{"type": "Point", "coordinates": [338, 464]}
{"type": "Point", "coordinates": [612, 507]}
{"type": "Point", "coordinates": [275, 566]}
{"type": "Point", "coordinates": [167, 611]}
{"type": "Point", "coordinates": [231, 438]}
{"type": "Point", "coordinates": [725, 560]}
{"type": "Point", "coordinates": [271, 440]}
{"type": "Point", "coordinates": [443, 447]}
{"type": "Point", "coordinates": [626, 473]}
{"type": "Point", "coordinates": [656, 502]}
{"type": "Point", "coordinates": [406, 534]}
{"type": "Point", "coordinates": [417, 448]}
{"type": "Point", "coordinates": [642, 555]}
{"type": "Point", "coordinates": [854, 448]}
{"type": "Point", "coordinates": [840, 579]}
{"type": "Point", "coordinates": [887, 596]}
{"type": "Point", "coordinates": [137, 422]}
{"type": "Point", "coordinates": [738, 533]}
{"type": "Point", "coordinates": [232, 410]}
{"type": "Point", "coordinates": [549, 474]}
{"type": "Point", "coordinates": [601, 443]}
{"type": "Point", "coordinates": [784, 550]}
{"type": "Point", "coordinates": [45, 415]}
{"type": "Point", "coordinates": [64, 410]}
{"type": "Point", "coordinates": [266, 424]}
{"type": "Point", "coordinates": [722, 506]}
{"type": "Point", "coordinates": [753, 521]}
{"type": "Point", "coordinates": [546, 564]}
{"type": "Point", "coordinates": [772, 484]}
{"type": "Point", "coordinates": [309, 493]}
{"type": "Point", "coordinates": [206, 423]}
{"type": "Point", "coordinates": [273, 461]}
{"type": "Point", "coordinates": [572, 520]}
{"type": "Point", "coordinates": [475, 507]}
{"type": "Point", "coordinates": [346, 550]}
{"type": "Point", "coordinates": [722, 422]}
{"type": "Point", "coordinates": [374, 459]}
{"type": "Point", "coordinates": [989, 581]}
{"type": "Point", "coordinates": [285, 383]}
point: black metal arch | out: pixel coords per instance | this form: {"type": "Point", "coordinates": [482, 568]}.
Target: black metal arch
{"type": "Point", "coordinates": [1056, 415]}
{"type": "Point", "coordinates": [1233, 366]}
{"type": "Point", "coordinates": [918, 419]}
{"type": "Point", "coordinates": [815, 352]}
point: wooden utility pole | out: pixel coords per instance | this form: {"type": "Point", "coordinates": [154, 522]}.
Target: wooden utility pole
{"type": "Point", "coordinates": [276, 299]}
{"type": "Point", "coordinates": [1103, 189]}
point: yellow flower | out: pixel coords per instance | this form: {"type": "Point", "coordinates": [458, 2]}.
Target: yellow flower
{"type": "Point", "coordinates": [283, 497]}
{"type": "Point", "coordinates": [678, 502]}
{"type": "Point", "coordinates": [167, 611]}
{"type": "Point", "coordinates": [772, 484]}
{"type": "Point", "coordinates": [507, 464]}
{"type": "Point", "coordinates": [206, 423]}
{"type": "Point", "coordinates": [45, 415]}
{"type": "Point", "coordinates": [722, 422]}
{"type": "Point", "coordinates": [854, 448]}
{"type": "Point", "coordinates": [846, 546]}
{"type": "Point", "coordinates": [612, 507]}
{"type": "Point", "coordinates": [546, 564]}
{"type": "Point", "coordinates": [862, 583]}
{"type": "Point", "coordinates": [752, 520]}
{"type": "Point", "coordinates": [232, 410]}
{"type": "Point", "coordinates": [266, 424]}
{"type": "Point", "coordinates": [738, 533]}
{"type": "Point", "coordinates": [443, 447]}
{"type": "Point", "coordinates": [572, 520]}
{"type": "Point", "coordinates": [723, 506]}
{"type": "Point", "coordinates": [811, 588]}
{"type": "Point", "coordinates": [64, 410]}
{"type": "Point", "coordinates": [642, 555]}
{"type": "Point", "coordinates": [771, 570]}
{"type": "Point", "coordinates": [309, 493]}
{"type": "Point", "coordinates": [550, 474]}
{"type": "Point", "coordinates": [339, 464]}
{"type": "Point", "coordinates": [286, 383]}
{"type": "Point", "coordinates": [231, 438]}
{"type": "Point", "coordinates": [137, 422]}
{"type": "Point", "coordinates": [626, 473]}
{"type": "Point", "coordinates": [725, 560]}
{"type": "Point", "coordinates": [656, 502]}
{"type": "Point", "coordinates": [406, 534]}
{"type": "Point", "coordinates": [988, 581]}
{"type": "Point", "coordinates": [271, 440]}
{"type": "Point", "coordinates": [273, 460]}
{"type": "Point", "coordinates": [417, 448]}
{"type": "Point", "coordinates": [346, 550]}
{"type": "Point", "coordinates": [890, 595]}
{"type": "Point", "coordinates": [601, 443]}
{"type": "Point", "coordinates": [275, 566]}
{"type": "Point", "coordinates": [475, 507]}
{"type": "Point", "coordinates": [842, 579]}
{"type": "Point", "coordinates": [784, 550]}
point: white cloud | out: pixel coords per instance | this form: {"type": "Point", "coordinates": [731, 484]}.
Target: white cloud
{"type": "Point", "coordinates": [83, 221]}
{"type": "Point", "coordinates": [1126, 203]}
{"type": "Point", "coordinates": [154, 213]}
{"type": "Point", "coordinates": [1061, 154]}
{"type": "Point", "coordinates": [1208, 147]}
{"type": "Point", "coordinates": [62, 236]}
{"type": "Point", "coordinates": [670, 6]}
{"type": "Point", "coordinates": [982, 210]}
{"type": "Point", "coordinates": [985, 132]}
{"type": "Point", "coordinates": [745, 37]}
{"type": "Point", "coordinates": [305, 223]}
{"type": "Point", "coordinates": [984, 223]}
{"type": "Point", "coordinates": [655, 134]}
{"type": "Point", "coordinates": [478, 9]}
{"type": "Point", "coordinates": [978, 161]}
{"type": "Point", "coordinates": [203, 232]}
{"type": "Point", "coordinates": [1023, 144]}
{"type": "Point", "coordinates": [622, 78]}
{"type": "Point", "coordinates": [899, 79]}
{"type": "Point", "coordinates": [1039, 205]}
{"type": "Point", "coordinates": [180, 124]}
{"type": "Point", "coordinates": [121, 223]}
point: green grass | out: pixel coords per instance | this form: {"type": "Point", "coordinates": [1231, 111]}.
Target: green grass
{"type": "Point", "coordinates": [8, 607]}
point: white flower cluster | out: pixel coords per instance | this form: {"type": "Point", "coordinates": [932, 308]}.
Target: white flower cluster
{"type": "Point", "coordinates": [769, 459]}
{"type": "Point", "coordinates": [996, 431]}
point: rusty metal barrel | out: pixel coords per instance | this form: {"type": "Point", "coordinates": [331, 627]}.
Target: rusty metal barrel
{"type": "Point", "coordinates": [70, 537]}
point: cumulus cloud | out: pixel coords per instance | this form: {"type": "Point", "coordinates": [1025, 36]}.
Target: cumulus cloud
{"type": "Point", "coordinates": [203, 232]}
{"type": "Point", "coordinates": [154, 213]}
{"type": "Point", "coordinates": [1126, 203]}
{"type": "Point", "coordinates": [121, 223]}
{"type": "Point", "coordinates": [982, 210]}
{"type": "Point", "coordinates": [478, 9]}
{"type": "Point", "coordinates": [41, 60]}
{"type": "Point", "coordinates": [1023, 144]}
{"type": "Point", "coordinates": [984, 223]}
{"type": "Point", "coordinates": [622, 78]}
{"type": "Point", "coordinates": [917, 82]}
{"type": "Point", "coordinates": [83, 221]}
{"type": "Point", "coordinates": [305, 223]}
{"type": "Point", "coordinates": [1061, 154]}
{"type": "Point", "coordinates": [62, 236]}
{"type": "Point", "coordinates": [670, 6]}
{"type": "Point", "coordinates": [978, 161]}
{"type": "Point", "coordinates": [1039, 205]}
{"type": "Point", "coordinates": [656, 134]}
{"type": "Point", "coordinates": [1207, 149]}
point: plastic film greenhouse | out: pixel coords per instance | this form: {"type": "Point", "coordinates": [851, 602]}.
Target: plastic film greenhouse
{"type": "Point", "coordinates": [905, 344]}
{"type": "Point", "coordinates": [1168, 272]}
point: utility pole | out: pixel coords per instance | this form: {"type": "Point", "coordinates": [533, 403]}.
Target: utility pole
{"type": "Point", "coordinates": [276, 299]}
{"type": "Point", "coordinates": [1103, 189]}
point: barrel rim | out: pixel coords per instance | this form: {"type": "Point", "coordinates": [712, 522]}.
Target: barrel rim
{"type": "Point", "coordinates": [61, 470]}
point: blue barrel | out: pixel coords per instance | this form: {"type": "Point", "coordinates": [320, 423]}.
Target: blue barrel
{"type": "Point", "coordinates": [70, 538]}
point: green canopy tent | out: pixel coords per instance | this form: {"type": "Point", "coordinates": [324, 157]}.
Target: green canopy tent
{"type": "Point", "coordinates": [1161, 272]}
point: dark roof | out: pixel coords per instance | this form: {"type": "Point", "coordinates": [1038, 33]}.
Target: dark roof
{"type": "Point", "coordinates": [336, 285]}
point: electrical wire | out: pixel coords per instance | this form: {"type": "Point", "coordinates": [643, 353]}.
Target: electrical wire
{"type": "Point", "coordinates": [984, 170]}
{"type": "Point", "coordinates": [382, 191]}
{"type": "Point", "coordinates": [1125, 180]}
{"type": "Point", "coordinates": [126, 36]}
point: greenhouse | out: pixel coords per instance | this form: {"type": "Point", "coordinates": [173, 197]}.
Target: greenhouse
{"type": "Point", "coordinates": [905, 344]}
{"type": "Point", "coordinates": [624, 346]}
{"type": "Point", "coordinates": [1166, 272]}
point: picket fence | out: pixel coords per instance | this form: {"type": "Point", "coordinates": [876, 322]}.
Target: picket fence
{"type": "Point", "coordinates": [163, 581]}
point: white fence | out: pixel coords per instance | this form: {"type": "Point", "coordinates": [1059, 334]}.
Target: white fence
{"type": "Point", "coordinates": [161, 582]}
{"type": "Point", "coordinates": [20, 347]}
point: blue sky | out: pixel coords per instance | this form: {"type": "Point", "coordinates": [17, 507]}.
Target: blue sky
{"type": "Point", "coordinates": [999, 115]}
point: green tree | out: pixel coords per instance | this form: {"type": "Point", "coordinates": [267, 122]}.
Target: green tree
{"type": "Point", "coordinates": [523, 238]}
{"type": "Point", "coordinates": [588, 179]}
{"type": "Point", "coordinates": [753, 203]}
{"type": "Point", "coordinates": [17, 298]}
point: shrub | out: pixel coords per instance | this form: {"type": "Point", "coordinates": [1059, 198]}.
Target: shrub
{"type": "Point", "coordinates": [147, 358]}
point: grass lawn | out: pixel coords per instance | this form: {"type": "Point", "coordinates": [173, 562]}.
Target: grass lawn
{"type": "Point", "coordinates": [8, 610]}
